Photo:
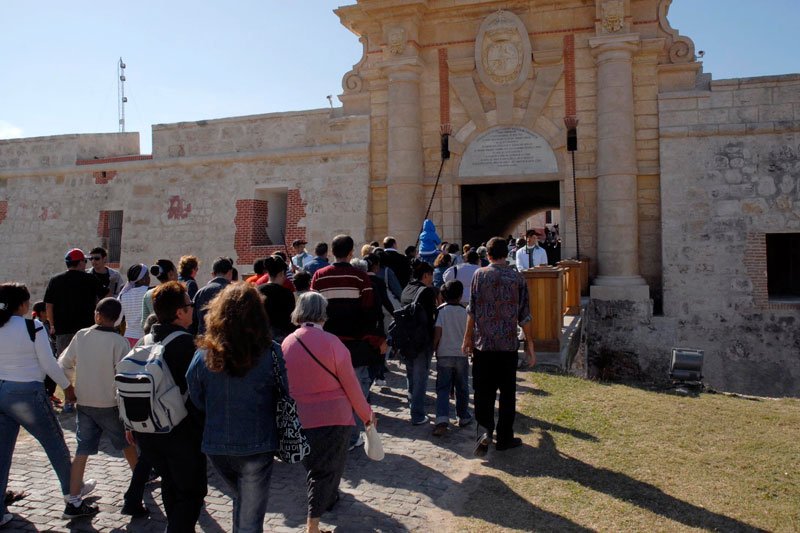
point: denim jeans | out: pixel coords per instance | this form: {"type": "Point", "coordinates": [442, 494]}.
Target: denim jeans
{"type": "Point", "coordinates": [452, 371]}
{"type": "Point", "coordinates": [26, 404]}
{"type": "Point", "coordinates": [363, 375]}
{"type": "Point", "coordinates": [248, 478]}
{"type": "Point", "coordinates": [417, 376]}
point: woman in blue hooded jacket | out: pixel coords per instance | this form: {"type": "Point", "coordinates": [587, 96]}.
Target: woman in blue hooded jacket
{"type": "Point", "coordinates": [429, 242]}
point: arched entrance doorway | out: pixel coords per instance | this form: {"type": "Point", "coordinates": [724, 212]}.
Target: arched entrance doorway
{"type": "Point", "coordinates": [494, 209]}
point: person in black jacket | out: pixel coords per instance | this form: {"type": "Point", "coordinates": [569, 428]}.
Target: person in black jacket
{"type": "Point", "coordinates": [176, 455]}
{"type": "Point", "coordinates": [417, 364]}
{"type": "Point", "coordinates": [278, 300]}
{"type": "Point", "coordinates": [398, 262]}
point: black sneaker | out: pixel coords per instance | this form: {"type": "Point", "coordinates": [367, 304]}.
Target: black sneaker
{"type": "Point", "coordinates": [85, 509]}
{"type": "Point", "coordinates": [482, 446]}
{"type": "Point", "coordinates": [513, 443]}
{"type": "Point", "coordinates": [136, 510]}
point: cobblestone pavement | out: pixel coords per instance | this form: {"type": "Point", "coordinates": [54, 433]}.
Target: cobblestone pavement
{"type": "Point", "coordinates": [404, 492]}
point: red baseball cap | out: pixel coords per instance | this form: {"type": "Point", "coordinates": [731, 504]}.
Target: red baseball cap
{"type": "Point", "coordinates": [76, 254]}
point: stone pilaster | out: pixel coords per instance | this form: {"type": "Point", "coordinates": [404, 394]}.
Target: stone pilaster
{"type": "Point", "coordinates": [617, 223]}
{"type": "Point", "coordinates": [405, 195]}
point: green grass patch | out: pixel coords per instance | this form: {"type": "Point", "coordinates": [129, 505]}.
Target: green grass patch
{"type": "Point", "coordinates": [612, 457]}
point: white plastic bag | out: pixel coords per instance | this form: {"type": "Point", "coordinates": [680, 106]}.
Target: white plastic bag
{"type": "Point", "coordinates": [373, 445]}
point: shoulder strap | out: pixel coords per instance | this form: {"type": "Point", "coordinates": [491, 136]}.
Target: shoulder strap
{"type": "Point", "coordinates": [32, 329]}
{"type": "Point", "coordinates": [172, 336]}
{"type": "Point", "coordinates": [317, 360]}
{"type": "Point", "coordinates": [417, 294]}
{"type": "Point", "coordinates": [455, 271]}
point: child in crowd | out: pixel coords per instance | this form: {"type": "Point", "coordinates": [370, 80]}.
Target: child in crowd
{"type": "Point", "coordinates": [452, 366]}
{"type": "Point", "coordinates": [39, 312]}
{"type": "Point", "coordinates": [89, 362]}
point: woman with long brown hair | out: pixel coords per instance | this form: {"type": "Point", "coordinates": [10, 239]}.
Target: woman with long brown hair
{"type": "Point", "coordinates": [230, 379]}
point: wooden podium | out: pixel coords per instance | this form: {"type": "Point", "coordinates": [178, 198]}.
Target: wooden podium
{"type": "Point", "coordinates": [545, 297]}
{"type": "Point", "coordinates": [572, 286]}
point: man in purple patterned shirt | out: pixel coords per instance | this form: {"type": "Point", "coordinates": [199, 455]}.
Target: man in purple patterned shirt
{"type": "Point", "coordinates": [498, 303]}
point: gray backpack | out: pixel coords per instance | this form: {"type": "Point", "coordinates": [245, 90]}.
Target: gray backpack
{"type": "Point", "coordinates": [149, 400]}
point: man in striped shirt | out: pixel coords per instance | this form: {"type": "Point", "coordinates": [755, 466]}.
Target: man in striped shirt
{"type": "Point", "coordinates": [348, 291]}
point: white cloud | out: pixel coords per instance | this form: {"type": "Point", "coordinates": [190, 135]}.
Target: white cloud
{"type": "Point", "coordinates": [9, 131]}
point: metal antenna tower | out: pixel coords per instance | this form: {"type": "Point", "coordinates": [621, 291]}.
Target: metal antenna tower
{"type": "Point", "coordinates": [121, 93]}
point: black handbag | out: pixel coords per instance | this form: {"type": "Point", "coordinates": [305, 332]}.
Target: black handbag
{"type": "Point", "coordinates": [293, 446]}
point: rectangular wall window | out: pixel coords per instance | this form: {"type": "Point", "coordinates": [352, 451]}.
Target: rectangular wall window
{"type": "Point", "coordinates": [277, 200]}
{"type": "Point", "coordinates": [110, 232]}
{"type": "Point", "coordinates": [783, 267]}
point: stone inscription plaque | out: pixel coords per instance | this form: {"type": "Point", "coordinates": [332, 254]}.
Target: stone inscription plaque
{"type": "Point", "coordinates": [508, 152]}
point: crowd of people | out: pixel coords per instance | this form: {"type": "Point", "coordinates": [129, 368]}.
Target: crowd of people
{"type": "Point", "coordinates": [320, 323]}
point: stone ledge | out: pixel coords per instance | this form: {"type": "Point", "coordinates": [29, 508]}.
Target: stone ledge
{"type": "Point", "coordinates": [221, 158]}
{"type": "Point", "coordinates": [711, 130]}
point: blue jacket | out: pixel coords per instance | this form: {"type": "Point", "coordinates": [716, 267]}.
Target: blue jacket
{"type": "Point", "coordinates": [428, 239]}
{"type": "Point", "coordinates": [315, 264]}
{"type": "Point", "coordinates": [240, 411]}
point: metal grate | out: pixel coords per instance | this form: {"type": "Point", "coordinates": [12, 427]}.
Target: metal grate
{"type": "Point", "coordinates": [114, 236]}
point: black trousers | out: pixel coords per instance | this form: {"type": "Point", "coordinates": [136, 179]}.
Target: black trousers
{"type": "Point", "coordinates": [493, 372]}
{"type": "Point", "coordinates": [141, 474]}
{"type": "Point", "coordinates": [184, 484]}
{"type": "Point", "coordinates": [325, 465]}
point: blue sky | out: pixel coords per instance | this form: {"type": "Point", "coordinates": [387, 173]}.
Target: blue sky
{"type": "Point", "coordinates": [191, 60]}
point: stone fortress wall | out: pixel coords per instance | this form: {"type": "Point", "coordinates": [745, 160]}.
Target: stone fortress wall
{"type": "Point", "coordinates": [679, 178]}
{"type": "Point", "coordinates": [205, 190]}
{"type": "Point", "coordinates": [730, 171]}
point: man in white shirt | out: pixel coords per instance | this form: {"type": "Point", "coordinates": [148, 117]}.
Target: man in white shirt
{"type": "Point", "coordinates": [300, 257]}
{"type": "Point", "coordinates": [463, 273]}
{"type": "Point", "coordinates": [531, 255]}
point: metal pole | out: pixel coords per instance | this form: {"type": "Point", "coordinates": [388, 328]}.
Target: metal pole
{"type": "Point", "coordinates": [575, 199]}
{"type": "Point", "coordinates": [571, 122]}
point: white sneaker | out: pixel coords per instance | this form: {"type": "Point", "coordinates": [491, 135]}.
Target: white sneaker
{"type": "Point", "coordinates": [8, 517]}
{"type": "Point", "coordinates": [88, 487]}
{"type": "Point", "coordinates": [357, 443]}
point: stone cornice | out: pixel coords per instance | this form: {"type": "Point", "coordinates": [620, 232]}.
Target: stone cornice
{"type": "Point", "coordinates": [409, 68]}
{"type": "Point", "coordinates": [189, 161]}
{"type": "Point", "coordinates": [629, 42]}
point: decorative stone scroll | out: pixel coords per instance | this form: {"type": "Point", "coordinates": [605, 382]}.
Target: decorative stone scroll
{"type": "Point", "coordinates": [508, 152]}
{"type": "Point", "coordinates": [503, 52]}
{"type": "Point", "coordinates": [681, 49]}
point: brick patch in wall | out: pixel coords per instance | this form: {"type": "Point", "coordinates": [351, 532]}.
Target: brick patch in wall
{"type": "Point", "coordinates": [3, 210]}
{"type": "Point", "coordinates": [444, 88]}
{"type": "Point", "coordinates": [570, 102]}
{"type": "Point", "coordinates": [251, 241]}
{"type": "Point", "coordinates": [103, 229]}
{"type": "Point", "coordinates": [178, 208]}
{"type": "Point", "coordinates": [102, 178]}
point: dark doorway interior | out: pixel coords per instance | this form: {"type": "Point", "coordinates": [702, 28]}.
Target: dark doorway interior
{"type": "Point", "coordinates": [490, 210]}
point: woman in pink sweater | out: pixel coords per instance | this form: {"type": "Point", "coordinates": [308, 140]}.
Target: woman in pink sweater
{"type": "Point", "coordinates": [325, 387]}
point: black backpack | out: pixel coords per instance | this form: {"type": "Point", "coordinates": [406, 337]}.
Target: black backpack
{"type": "Point", "coordinates": [409, 331]}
